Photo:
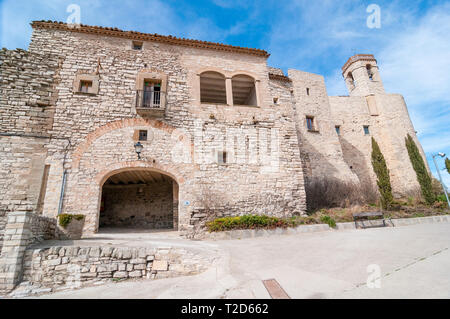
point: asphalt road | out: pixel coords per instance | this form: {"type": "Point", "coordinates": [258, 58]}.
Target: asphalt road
{"type": "Point", "coordinates": [400, 262]}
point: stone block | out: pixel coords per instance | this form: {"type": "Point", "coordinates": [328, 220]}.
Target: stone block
{"type": "Point", "coordinates": [135, 274]}
{"type": "Point", "coordinates": [120, 274]}
{"type": "Point", "coordinates": [160, 265]}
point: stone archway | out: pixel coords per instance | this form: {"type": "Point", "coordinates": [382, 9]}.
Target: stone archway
{"type": "Point", "coordinates": [139, 198]}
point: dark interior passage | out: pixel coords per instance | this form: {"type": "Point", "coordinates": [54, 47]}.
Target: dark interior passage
{"type": "Point", "coordinates": [140, 199]}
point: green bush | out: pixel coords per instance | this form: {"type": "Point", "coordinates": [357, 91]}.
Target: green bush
{"type": "Point", "coordinates": [383, 179]}
{"type": "Point", "coordinates": [247, 222]}
{"type": "Point", "coordinates": [328, 220]}
{"type": "Point", "coordinates": [65, 219]}
{"type": "Point", "coordinates": [418, 164]}
{"type": "Point", "coordinates": [447, 164]}
{"type": "Point", "coordinates": [264, 222]}
{"type": "Point", "coordinates": [441, 198]}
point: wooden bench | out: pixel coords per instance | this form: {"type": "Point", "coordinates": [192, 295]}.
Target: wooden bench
{"type": "Point", "coordinates": [365, 216]}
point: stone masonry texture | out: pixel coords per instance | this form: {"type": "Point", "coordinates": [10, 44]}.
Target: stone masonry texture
{"type": "Point", "coordinates": [72, 267]}
{"type": "Point", "coordinates": [53, 137]}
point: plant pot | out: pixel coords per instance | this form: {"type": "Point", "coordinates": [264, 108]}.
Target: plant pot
{"type": "Point", "coordinates": [73, 230]}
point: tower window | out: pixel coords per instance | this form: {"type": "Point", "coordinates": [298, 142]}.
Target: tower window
{"type": "Point", "coordinates": [307, 91]}
{"type": "Point", "coordinates": [142, 135]}
{"type": "Point", "coordinates": [338, 129]}
{"type": "Point", "coordinates": [222, 157]}
{"type": "Point", "coordinates": [369, 72]}
{"type": "Point", "coordinates": [366, 130]}
{"type": "Point", "coordinates": [351, 80]}
{"type": "Point", "coordinates": [310, 123]}
{"type": "Point", "coordinates": [137, 45]}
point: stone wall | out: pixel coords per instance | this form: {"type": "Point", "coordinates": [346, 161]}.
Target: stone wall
{"type": "Point", "coordinates": [27, 99]}
{"type": "Point", "coordinates": [320, 147]}
{"type": "Point", "coordinates": [142, 206]}
{"type": "Point", "coordinates": [22, 230]}
{"type": "Point", "coordinates": [101, 128]}
{"type": "Point", "coordinates": [389, 127]}
{"type": "Point", "coordinates": [72, 267]}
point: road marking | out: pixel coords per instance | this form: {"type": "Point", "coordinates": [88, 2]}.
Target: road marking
{"type": "Point", "coordinates": [275, 290]}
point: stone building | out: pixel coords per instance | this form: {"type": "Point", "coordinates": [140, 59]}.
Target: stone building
{"type": "Point", "coordinates": [218, 130]}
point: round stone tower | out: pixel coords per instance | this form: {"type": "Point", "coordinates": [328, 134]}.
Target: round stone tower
{"type": "Point", "coordinates": [362, 76]}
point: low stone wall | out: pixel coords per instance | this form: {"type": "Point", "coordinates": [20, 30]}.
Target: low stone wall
{"type": "Point", "coordinates": [252, 233]}
{"type": "Point", "coordinates": [42, 228]}
{"type": "Point", "coordinates": [22, 230]}
{"type": "Point", "coordinates": [73, 267]}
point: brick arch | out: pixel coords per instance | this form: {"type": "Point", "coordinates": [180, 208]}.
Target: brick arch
{"type": "Point", "coordinates": [102, 130]}
{"type": "Point", "coordinates": [247, 73]}
{"type": "Point", "coordinates": [169, 170]}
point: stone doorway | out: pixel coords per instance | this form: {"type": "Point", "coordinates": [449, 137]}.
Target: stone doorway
{"type": "Point", "coordinates": [140, 199]}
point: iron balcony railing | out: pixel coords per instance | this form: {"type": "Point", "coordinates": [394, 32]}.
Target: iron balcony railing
{"type": "Point", "coordinates": [149, 99]}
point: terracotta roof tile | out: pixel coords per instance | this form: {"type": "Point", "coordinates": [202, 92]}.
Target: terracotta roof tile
{"type": "Point", "coordinates": [115, 32]}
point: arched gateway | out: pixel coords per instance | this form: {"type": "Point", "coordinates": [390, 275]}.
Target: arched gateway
{"type": "Point", "coordinates": [139, 198]}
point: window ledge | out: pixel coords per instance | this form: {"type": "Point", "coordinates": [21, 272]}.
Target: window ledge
{"type": "Point", "coordinates": [211, 103]}
{"type": "Point", "coordinates": [242, 105]}
{"type": "Point", "coordinates": [84, 93]}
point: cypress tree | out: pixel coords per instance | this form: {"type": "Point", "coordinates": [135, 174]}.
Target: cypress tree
{"type": "Point", "coordinates": [382, 172]}
{"type": "Point", "coordinates": [447, 164]}
{"type": "Point", "coordinates": [418, 164]}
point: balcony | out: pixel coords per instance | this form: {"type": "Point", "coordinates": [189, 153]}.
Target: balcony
{"type": "Point", "coordinates": [150, 103]}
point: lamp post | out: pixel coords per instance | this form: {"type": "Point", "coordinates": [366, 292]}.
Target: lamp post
{"type": "Point", "coordinates": [138, 147]}
{"type": "Point", "coordinates": [440, 177]}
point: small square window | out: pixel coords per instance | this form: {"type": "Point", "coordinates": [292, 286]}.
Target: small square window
{"type": "Point", "coordinates": [222, 157]}
{"type": "Point", "coordinates": [366, 130]}
{"type": "Point", "coordinates": [310, 123]}
{"type": "Point", "coordinates": [85, 86]}
{"type": "Point", "coordinates": [142, 135]}
{"type": "Point", "coordinates": [137, 45]}
{"type": "Point", "coordinates": [338, 129]}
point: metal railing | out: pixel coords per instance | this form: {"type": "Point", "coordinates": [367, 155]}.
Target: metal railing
{"type": "Point", "coordinates": [149, 99]}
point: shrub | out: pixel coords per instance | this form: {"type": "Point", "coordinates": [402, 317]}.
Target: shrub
{"type": "Point", "coordinates": [419, 167]}
{"type": "Point", "coordinates": [247, 222]}
{"type": "Point", "coordinates": [382, 172]}
{"type": "Point", "coordinates": [65, 219]}
{"type": "Point", "coordinates": [328, 220]}
{"type": "Point", "coordinates": [329, 192]}
{"type": "Point", "coordinates": [447, 164]}
{"type": "Point", "coordinates": [436, 187]}
{"type": "Point", "coordinates": [441, 198]}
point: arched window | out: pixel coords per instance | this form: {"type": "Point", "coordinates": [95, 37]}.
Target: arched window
{"type": "Point", "coordinates": [244, 91]}
{"type": "Point", "coordinates": [350, 80]}
{"type": "Point", "coordinates": [369, 71]}
{"type": "Point", "coordinates": [212, 88]}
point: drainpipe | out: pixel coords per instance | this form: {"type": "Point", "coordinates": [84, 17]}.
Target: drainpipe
{"type": "Point", "coordinates": [64, 177]}
{"type": "Point", "coordinates": [61, 196]}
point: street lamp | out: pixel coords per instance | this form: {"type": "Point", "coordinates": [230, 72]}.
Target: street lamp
{"type": "Point", "coordinates": [138, 147]}
{"type": "Point", "coordinates": [440, 177]}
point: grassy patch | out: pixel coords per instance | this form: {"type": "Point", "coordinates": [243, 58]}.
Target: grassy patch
{"type": "Point", "coordinates": [328, 220]}
{"type": "Point", "coordinates": [65, 219]}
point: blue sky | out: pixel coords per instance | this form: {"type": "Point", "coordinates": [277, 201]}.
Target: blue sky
{"type": "Point", "coordinates": [412, 46]}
